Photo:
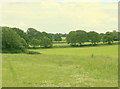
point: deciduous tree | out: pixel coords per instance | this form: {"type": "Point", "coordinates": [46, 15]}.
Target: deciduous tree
{"type": "Point", "coordinates": [94, 37]}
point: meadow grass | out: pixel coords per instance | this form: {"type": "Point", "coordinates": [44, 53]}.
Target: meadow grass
{"type": "Point", "coordinates": [63, 67]}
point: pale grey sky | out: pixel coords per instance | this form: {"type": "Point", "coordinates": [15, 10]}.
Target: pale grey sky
{"type": "Point", "coordinates": [61, 16]}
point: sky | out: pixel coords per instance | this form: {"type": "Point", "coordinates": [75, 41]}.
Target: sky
{"type": "Point", "coordinates": [60, 16]}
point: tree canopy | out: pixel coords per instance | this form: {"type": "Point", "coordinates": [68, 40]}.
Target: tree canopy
{"type": "Point", "coordinates": [33, 33]}
{"type": "Point", "coordinates": [11, 40]}
{"type": "Point", "coordinates": [108, 37]}
{"type": "Point", "coordinates": [57, 37]}
{"type": "Point", "coordinates": [46, 42]}
{"type": "Point", "coordinates": [34, 42]}
{"type": "Point", "coordinates": [78, 36]}
{"type": "Point", "coordinates": [22, 34]}
{"type": "Point", "coordinates": [94, 37]}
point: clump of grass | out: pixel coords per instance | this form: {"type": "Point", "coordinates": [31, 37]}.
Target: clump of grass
{"type": "Point", "coordinates": [92, 55]}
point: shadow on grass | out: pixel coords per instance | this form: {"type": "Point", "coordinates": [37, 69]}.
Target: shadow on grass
{"type": "Point", "coordinates": [32, 52]}
{"type": "Point", "coordinates": [13, 51]}
{"type": "Point", "coordinates": [39, 47]}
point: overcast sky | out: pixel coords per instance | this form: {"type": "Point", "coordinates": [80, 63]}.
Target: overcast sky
{"type": "Point", "coordinates": [61, 16]}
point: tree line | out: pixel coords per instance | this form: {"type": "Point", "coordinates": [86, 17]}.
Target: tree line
{"type": "Point", "coordinates": [17, 39]}
{"type": "Point", "coordinates": [80, 36]}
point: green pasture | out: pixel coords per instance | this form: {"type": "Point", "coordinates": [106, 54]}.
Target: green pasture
{"type": "Point", "coordinates": [62, 67]}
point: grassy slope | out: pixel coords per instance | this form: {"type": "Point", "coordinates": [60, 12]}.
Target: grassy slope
{"type": "Point", "coordinates": [83, 66]}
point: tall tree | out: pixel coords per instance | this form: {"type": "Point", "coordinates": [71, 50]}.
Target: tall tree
{"type": "Point", "coordinates": [34, 42]}
{"type": "Point", "coordinates": [44, 34]}
{"type": "Point", "coordinates": [115, 35]}
{"type": "Point", "coordinates": [101, 35]}
{"type": "Point", "coordinates": [11, 40]}
{"type": "Point", "coordinates": [81, 36]}
{"type": "Point", "coordinates": [71, 38]}
{"type": "Point", "coordinates": [21, 33]}
{"type": "Point", "coordinates": [46, 42]}
{"type": "Point", "coordinates": [108, 37]}
{"type": "Point", "coordinates": [94, 37]}
{"type": "Point", "coordinates": [33, 33]}
{"type": "Point", "coordinates": [75, 37]}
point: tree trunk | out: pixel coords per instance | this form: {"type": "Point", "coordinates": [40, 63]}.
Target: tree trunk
{"type": "Point", "coordinates": [80, 44]}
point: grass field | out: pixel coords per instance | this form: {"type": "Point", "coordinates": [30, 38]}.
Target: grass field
{"type": "Point", "coordinates": [58, 67]}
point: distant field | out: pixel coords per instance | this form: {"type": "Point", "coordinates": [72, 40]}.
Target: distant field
{"type": "Point", "coordinates": [63, 38]}
{"type": "Point", "coordinates": [58, 67]}
{"type": "Point", "coordinates": [63, 44]}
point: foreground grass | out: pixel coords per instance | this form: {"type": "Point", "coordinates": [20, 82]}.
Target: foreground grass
{"type": "Point", "coordinates": [58, 67]}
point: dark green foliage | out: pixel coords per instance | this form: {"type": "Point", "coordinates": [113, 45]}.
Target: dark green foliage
{"type": "Point", "coordinates": [81, 36]}
{"type": "Point", "coordinates": [24, 43]}
{"type": "Point", "coordinates": [11, 40]}
{"type": "Point", "coordinates": [101, 35]}
{"type": "Point", "coordinates": [35, 42]}
{"type": "Point", "coordinates": [46, 42]}
{"type": "Point", "coordinates": [115, 35]}
{"type": "Point", "coordinates": [78, 36]}
{"type": "Point", "coordinates": [94, 37]}
{"type": "Point", "coordinates": [16, 39]}
{"type": "Point", "coordinates": [39, 38]}
{"type": "Point", "coordinates": [118, 36]}
{"type": "Point", "coordinates": [60, 34]}
{"type": "Point", "coordinates": [44, 34]}
{"type": "Point", "coordinates": [57, 37]}
{"type": "Point", "coordinates": [71, 38]}
{"type": "Point", "coordinates": [33, 33]}
{"type": "Point", "coordinates": [22, 34]}
{"type": "Point", "coordinates": [63, 35]}
{"type": "Point", "coordinates": [108, 37]}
